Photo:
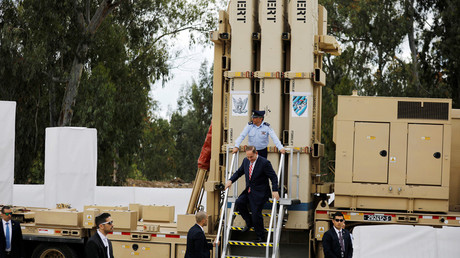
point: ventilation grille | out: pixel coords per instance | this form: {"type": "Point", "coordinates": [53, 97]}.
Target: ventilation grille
{"type": "Point", "coordinates": [423, 110]}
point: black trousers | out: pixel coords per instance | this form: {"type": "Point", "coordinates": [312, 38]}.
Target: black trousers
{"type": "Point", "coordinates": [263, 152]}
{"type": "Point", "coordinates": [255, 219]}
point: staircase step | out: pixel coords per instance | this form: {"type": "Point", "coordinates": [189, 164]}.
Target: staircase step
{"type": "Point", "coordinates": [283, 201]}
{"type": "Point", "coordinates": [246, 243]}
{"type": "Point", "coordinates": [286, 201]}
{"type": "Point", "coordinates": [251, 229]}
{"type": "Point", "coordinates": [263, 214]}
{"type": "Point", "coordinates": [230, 256]}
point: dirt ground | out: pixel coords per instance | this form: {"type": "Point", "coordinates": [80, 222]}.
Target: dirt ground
{"type": "Point", "coordinates": [175, 183]}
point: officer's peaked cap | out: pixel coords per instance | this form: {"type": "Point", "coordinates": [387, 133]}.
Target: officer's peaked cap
{"type": "Point", "coordinates": [258, 113]}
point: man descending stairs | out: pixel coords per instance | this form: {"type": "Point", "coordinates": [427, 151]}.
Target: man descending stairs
{"type": "Point", "coordinates": [257, 171]}
{"type": "Point", "coordinates": [245, 228]}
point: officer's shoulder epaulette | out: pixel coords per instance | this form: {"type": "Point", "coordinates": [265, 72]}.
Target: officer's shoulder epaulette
{"type": "Point", "coordinates": [250, 123]}
{"type": "Point", "coordinates": [267, 124]}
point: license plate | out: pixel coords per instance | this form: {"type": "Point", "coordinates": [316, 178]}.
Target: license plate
{"type": "Point", "coordinates": [377, 217]}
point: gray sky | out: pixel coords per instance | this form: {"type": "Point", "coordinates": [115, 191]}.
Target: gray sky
{"type": "Point", "coordinates": [185, 68]}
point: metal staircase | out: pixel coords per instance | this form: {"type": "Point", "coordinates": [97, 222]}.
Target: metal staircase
{"type": "Point", "coordinates": [228, 214]}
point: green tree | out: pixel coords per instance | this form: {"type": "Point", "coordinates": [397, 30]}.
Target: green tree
{"type": "Point", "coordinates": [99, 58]}
{"type": "Point", "coordinates": [191, 123]}
{"type": "Point", "coordinates": [158, 148]}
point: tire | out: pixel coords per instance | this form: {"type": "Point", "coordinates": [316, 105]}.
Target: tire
{"type": "Point", "coordinates": [53, 251]}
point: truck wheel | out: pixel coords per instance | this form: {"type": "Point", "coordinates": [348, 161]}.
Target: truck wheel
{"type": "Point", "coordinates": [55, 251]}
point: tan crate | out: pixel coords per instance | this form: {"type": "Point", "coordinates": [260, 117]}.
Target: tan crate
{"type": "Point", "coordinates": [158, 213]}
{"type": "Point", "coordinates": [89, 216]}
{"type": "Point", "coordinates": [123, 219]}
{"type": "Point", "coordinates": [186, 221]}
{"type": "Point", "coordinates": [103, 208]}
{"type": "Point", "coordinates": [136, 207]}
{"type": "Point", "coordinates": [59, 217]}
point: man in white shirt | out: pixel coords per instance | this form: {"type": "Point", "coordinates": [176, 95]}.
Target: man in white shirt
{"type": "Point", "coordinates": [10, 235]}
{"type": "Point", "coordinates": [258, 133]}
{"type": "Point", "coordinates": [98, 246]}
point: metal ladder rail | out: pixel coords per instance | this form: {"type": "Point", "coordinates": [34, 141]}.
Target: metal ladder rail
{"type": "Point", "coordinates": [229, 216]}
{"type": "Point", "coordinates": [296, 176]}
{"type": "Point", "coordinates": [277, 235]}
{"type": "Point", "coordinates": [228, 229]}
{"type": "Point", "coordinates": [273, 214]}
{"type": "Point", "coordinates": [224, 204]}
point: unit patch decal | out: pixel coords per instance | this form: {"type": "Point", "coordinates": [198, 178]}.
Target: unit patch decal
{"type": "Point", "coordinates": [240, 105]}
{"type": "Point", "coordinates": [299, 106]}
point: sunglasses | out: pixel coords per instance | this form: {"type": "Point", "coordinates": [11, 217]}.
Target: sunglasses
{"type": "Point", "coordinates": [339, 220]}
{"type": "Point", "coordinates": [108, 222]}
{"type": "Point", "coordinates": [8, 213]}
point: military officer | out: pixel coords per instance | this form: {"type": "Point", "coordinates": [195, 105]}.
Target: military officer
{"type": "Point", "coordinates": [258, 132]}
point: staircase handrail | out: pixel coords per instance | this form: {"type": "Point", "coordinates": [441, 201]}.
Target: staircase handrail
{"type": "Point", "coordinates": [224, 205]}
{"type": "Point", "coordinates": [273, 214]}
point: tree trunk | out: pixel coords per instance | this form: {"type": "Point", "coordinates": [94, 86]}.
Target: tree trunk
{"type": "Point", "coordinates": [412, 44]}
{"type": "Point", "coordinates": [52, 103]}
{"type": "Point", "coordinates": [70, 95]}
{"type": "Point", "coordinates": [71, 91]}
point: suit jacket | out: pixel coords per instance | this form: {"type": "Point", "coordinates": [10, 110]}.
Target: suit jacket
{"type": "Point", "coordinates": [197, 246]}
{"type": "Point", "coordinates": [331, 244]}
{"type": "Point", "coordinates": [95, 247]}
{"type": "Point", "coordinates": [17, 249]}
{"type": "Point", "coordinates": [261, 173]}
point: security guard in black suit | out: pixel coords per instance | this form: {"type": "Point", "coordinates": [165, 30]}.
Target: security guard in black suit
{"type": "Point", "coordinates": [197, 246]}
{"type": "Point", "coordinates": [337, 241]}
{"type": "Point", "coordinates": [10, 236]}
{"type": "Point", "coordinates": [98, 246]}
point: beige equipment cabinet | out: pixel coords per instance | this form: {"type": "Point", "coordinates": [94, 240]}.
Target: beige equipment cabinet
{"type": "Point", "coordinates": [268, 82]}
{"type": "Point", "coordinates": [241, 67]}
{"type": "Point", "coordinates": [240, 64]}
{"type": "Point", "coordinates": [454, 184]}
{"type": "Point", "coordinates": [393, 153]}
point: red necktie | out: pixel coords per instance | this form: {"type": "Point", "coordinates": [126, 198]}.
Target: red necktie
{"type": "Point", "coordinates": [250, 174]}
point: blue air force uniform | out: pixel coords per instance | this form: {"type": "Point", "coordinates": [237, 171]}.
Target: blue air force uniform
{"type": "Point", "coordinates": [258, 136]}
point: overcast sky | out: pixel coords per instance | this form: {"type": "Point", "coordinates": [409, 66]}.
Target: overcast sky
{"type": "Point", "coordinates": [185, 68]}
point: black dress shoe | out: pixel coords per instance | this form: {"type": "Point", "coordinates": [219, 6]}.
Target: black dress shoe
{"type": "Point", "coordinates": [259, 240]}
{"type": "Point", "coordinates": [245, 229]}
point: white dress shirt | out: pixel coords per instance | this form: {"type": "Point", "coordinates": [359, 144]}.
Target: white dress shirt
{"type": "Point", "coordinates": [105, 241]}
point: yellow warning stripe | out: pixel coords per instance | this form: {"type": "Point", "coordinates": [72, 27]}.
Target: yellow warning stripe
{"type": "Point", "coordinates": [240, 228]}
{"type": "Point", "coordinates": [263, 214]}
{"type": "Point", "coordinates": [250, 229]}
{"type": "Point", "coordinates": [249, 244]}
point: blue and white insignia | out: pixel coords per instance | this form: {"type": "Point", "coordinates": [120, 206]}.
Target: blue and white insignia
{"type": "Point", "coordinates": [299, 105]}
{"type": "Point", "coordinates": [267, 124]}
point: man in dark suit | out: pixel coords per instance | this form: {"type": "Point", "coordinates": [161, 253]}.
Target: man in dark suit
{"type": "Point", "coordinates": [10, 236]}
{"type": "Point", "coordinates": [98, 246]}
{"type": "Point", "coordinates": [337, 241]}
{"type": "Point", "coordinates": [257, 171]}
{"type": "Point", "coordinates": [197, 246]}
